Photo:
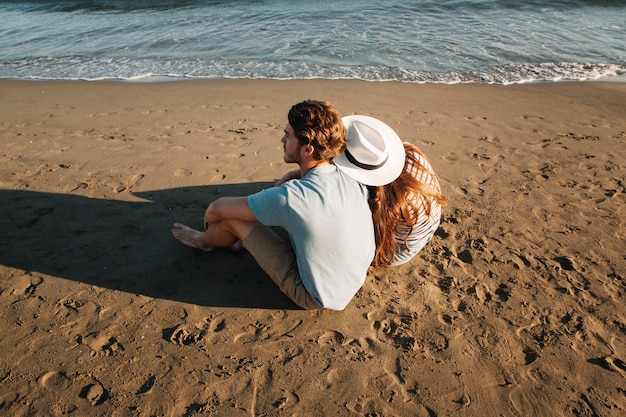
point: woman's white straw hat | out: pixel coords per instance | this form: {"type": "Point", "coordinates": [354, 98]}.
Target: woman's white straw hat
{"type": "Point", "coordinates": [374, 153]}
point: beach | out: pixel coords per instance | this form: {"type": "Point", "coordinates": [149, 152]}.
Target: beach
{"type": "Point", "coordinates": [515, 308]}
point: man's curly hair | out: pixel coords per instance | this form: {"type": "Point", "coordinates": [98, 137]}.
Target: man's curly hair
{"type": "Point", "coordinates": [318, 123]}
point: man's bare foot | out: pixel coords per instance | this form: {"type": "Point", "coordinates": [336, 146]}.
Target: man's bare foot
{"type": "Point", "coordinates": [189, 237]}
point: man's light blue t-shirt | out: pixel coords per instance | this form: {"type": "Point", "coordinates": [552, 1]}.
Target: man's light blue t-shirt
{"type": "Point", "coordinates": [330, 226]}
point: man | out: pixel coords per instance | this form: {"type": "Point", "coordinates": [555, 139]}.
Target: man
{"type": "Point", "coordinates": [324, 211]}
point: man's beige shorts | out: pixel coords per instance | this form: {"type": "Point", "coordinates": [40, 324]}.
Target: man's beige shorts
{"type": "Point", "coordinates": [277, 258]}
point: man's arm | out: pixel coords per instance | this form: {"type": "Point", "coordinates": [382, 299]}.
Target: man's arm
{"type": "Point", "coordinates": [229, 208]}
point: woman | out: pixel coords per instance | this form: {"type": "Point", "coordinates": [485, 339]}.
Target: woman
{"type": "Point", "coordinates": [404, 193]}
{"type": "Point", "coordinates": [407, 211]}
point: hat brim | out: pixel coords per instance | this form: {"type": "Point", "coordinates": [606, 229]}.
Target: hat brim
{"type": "Point", "coordinates": [395, 161]}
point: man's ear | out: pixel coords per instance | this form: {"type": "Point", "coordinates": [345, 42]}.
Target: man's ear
{"type": "Point", "coordinates": [308, 150]}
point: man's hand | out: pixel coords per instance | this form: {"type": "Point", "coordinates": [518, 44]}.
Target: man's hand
{"type": "Point", "coordinates": [291, 175]}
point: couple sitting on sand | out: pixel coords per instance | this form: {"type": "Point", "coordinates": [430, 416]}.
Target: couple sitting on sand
{"type": "Point", "coordinates": [360, 197]}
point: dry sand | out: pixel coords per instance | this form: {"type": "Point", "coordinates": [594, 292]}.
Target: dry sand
{"type": "Point", "coordinates": [516, 308]}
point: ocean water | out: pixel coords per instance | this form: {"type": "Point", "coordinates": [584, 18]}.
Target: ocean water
{"type": "Point", "coordinates": [439, 41]}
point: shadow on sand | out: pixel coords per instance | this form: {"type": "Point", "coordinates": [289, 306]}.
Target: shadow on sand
{"type": "Point", "coordinates": [128, 246]}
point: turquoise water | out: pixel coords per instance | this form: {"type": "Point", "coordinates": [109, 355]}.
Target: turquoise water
{"type": "Point", "coordinates": [412, 41]}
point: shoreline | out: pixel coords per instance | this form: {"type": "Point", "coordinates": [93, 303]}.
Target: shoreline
{"type": "Point", "coordinates": [616, 79]}
{"type": "Point", "coordinates": [516, 307]}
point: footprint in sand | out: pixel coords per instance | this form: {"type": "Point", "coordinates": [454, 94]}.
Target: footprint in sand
{"type": "Point", "coordinates": [451, 156]}
{"type": "Point", "coordinates": [255, 332]}
{"type": "Point", "coordinates": [466, 256]}
{"type": "Point", "coordinates": [454, 187]}
{"type": "Point", "coordinates": [398, 331]}
{"type": "Point", "coordinates": [147, 385]}
{"type": "Point", "coordinates": [565, 263]}
{"type": "Point", "coordinates": [185, 334]}
{"type": "Point", "coordinates": [128, 185]}
{"type": "Point", "coordinates": [433, 343]}
{"type": "Point", "coordinates": [331, 338]}
{"type": "Point", "coordinates": [391, 387]}
{"type": "Point", "coordinates": [352, 349]}
{"type": "Point", "coordinates": [530, 355]}
{"type": "Point", "coordinates": [475, 121]}
{"type": "Point", "coordinates": [102, 345]}
{"type": "Point", "coordinates": [531, 118]}
{"type": "Point", "coordinates": [481, 292]}
{"type": "Point", "coordinates": [182, 172]}
{"type": "Point", "coordinates": [616, 364]}
{"type": "Point", "coordinates": [287, 400]}
{"type": "Point", "coordinates": [503, 292]}
{"type": "Point", "coordinates": [86, 386]}
{"type": "Point", "coordinates": [93, 392]}
{"type": "Point", "coordinates": [610, 363]}
{"type": "Point", "coordinates": [404, 331]}
{"type": "Point", "coordinates": [279, 327]}
{"type": "Point", "coordinates": [54, 380]}
{"type": "Point", "coordinates": [490, 139]}
{"type": "Point", "coordinates": [26, 285]}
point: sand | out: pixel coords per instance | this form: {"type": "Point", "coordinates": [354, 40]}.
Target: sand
{"type": "Point", "coordinates": [515, 308]}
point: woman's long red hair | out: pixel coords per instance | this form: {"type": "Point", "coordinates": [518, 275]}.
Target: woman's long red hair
{"type": "Point", "coordinates": [390, 206]}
